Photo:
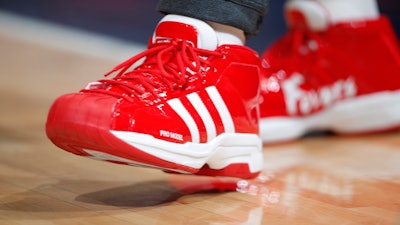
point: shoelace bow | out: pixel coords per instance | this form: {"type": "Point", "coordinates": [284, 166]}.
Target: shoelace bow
{"type": "Point", "coordinates": [169, 63]}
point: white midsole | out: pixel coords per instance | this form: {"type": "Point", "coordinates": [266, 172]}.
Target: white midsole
{"type": "Point", "coordinates": [225, 149]}
{"type": "Point", "coordinates": [361, 114]}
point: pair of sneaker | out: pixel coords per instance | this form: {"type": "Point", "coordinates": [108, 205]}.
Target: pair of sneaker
{"type": "Point", "coordinates": [191, 105]}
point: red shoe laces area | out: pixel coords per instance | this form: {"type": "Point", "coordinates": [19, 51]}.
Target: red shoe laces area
{"type": "Point", "coordinates": [166, 66]}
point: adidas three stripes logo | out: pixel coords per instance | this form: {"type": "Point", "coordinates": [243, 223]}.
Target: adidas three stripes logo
{"type": "Point", "coordinates": [181, 108]}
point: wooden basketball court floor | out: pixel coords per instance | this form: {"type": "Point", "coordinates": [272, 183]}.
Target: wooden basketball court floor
{"type": "Point", "coordinates": [319, 180]}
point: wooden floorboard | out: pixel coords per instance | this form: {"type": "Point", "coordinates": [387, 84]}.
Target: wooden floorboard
{"type": "Point", "coordinates": [318, 180]}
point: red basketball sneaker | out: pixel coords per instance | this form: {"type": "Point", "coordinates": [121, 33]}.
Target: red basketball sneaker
{"type": "Point", "coordinates": [341, 77]}
{"type": "Point", "coordinates": [190, 107]}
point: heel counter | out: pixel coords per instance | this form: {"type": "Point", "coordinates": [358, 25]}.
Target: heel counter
{"type": "Point", "coordinates": [240, 84]}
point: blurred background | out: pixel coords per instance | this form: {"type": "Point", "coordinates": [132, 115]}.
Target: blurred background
{"type": "Point", "coordinates": [134, 20]}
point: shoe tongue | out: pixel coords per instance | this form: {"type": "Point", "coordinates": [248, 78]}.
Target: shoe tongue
{"type": "Point", "coordinates": [185, 28]}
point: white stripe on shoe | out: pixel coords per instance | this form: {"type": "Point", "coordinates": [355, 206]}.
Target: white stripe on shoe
{"type": "Point", "coordinates": [178, 107]}
{"type": "Point", "coordinates": [222, 109]}
{"type": "Point", "coordinates": [204, 113]}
